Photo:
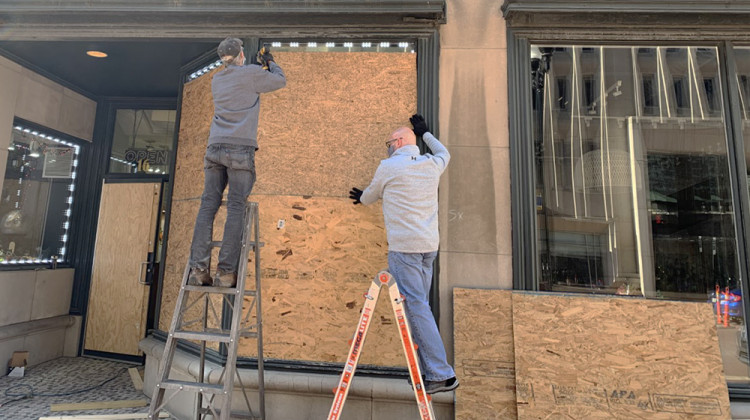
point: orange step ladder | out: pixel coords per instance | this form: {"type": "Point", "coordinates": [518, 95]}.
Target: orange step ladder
{"type": "Point", "coordinates": [424, 401]}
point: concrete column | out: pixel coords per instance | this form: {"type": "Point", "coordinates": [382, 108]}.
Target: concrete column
{"type": "Point", "coordinates": [475, 226]}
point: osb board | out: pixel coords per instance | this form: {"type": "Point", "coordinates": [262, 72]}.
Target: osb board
{"type": "Point", "coordinates": [118, 304]}
{"type": "Point", "coordinates": [315, 270]}
{"type": "Point", "coordinates": [624, 358]}
{"type": "Point", "coordinates": [483, 353]}
{"type": "Point", "coordinates": [321, 134]}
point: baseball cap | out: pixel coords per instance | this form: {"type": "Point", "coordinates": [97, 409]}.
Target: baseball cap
{"type": "Point", "coordinates": [230, 47]}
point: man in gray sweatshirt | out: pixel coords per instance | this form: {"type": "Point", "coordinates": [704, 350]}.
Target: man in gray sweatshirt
{"type": "Point", "coordinates": [407, 182]}
{"type": "Point", "coordinates": [230, 158]}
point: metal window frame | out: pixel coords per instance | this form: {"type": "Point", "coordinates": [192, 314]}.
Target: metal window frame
{"type": "Point", "coordinates": [526, 261]}
{"type": "Point", "coordinates": [428, 59]}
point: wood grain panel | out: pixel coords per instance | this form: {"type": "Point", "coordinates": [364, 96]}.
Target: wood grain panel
{"type": "Point", "coordinates": [118, 304]}
{"type": "Point", "coordinates": [623, 358]}
{"type": "Point", "coordinates": [329, 123]}
{"type": "Point", "coordinates": [483, 343]}
{"type": "Point", "coordinates": [315, 270]}
{"type": "Point", "coordinates": [318, 137]}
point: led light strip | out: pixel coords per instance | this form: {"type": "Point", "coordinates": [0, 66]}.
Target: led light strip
{"type": "Point", "coordinates": [204, 70]}
{"type": "Point", "coordinates": [406, 46]}
{"type": "Point", "coordinates": [66, 224]}
{"type": "Point", "coordinates": [123, 161]}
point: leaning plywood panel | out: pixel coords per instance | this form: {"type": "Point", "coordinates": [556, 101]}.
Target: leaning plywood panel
{"type": "Point", "coordinates": [624, 358]}
{"type": "Point", "coordinates": [483, 343]}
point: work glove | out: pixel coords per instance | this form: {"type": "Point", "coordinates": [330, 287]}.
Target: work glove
{"type": "Point", "coordinates": [355, 194]}
{"type": "Point", "coordinates": [264, 56]}
{"type": "Point", "coordinates": [420, 126]}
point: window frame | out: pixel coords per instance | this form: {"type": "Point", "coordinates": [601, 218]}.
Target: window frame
{"type": "Point", "coordinates": [427, 48]}
{"type": "Point", "coordinates": [526, 258]}
{"type": "Point", "coordinates": [75, 208]}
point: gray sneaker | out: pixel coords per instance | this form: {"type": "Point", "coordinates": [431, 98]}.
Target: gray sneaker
{"type": "Point", "coordinates": [199, 277]}
{"type": "Point", "coordinates": [434, 387]}
{"type": "Point", "coordinates": [225, 279]}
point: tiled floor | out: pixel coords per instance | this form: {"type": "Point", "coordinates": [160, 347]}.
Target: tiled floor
{"type": "Point", "coordinates": [68, 380]}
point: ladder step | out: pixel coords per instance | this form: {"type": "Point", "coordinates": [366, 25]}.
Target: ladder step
{"type": "Point", "coordinates": [249, 334]}
{"type": "Point", "coordinates": [217, 244]}
{"type": "Point", "coordinates": [212, 289]}
{"type": "Point", "coordinates": [202, 336]}
{"type": "Point", "coordinates": [192, 386]}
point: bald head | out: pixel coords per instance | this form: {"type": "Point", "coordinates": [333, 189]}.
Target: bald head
{"type": "Point", "coordinates": [405, 134]}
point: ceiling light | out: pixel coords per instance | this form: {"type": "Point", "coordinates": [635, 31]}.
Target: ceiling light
{"type": "Point", "coordinates": [96, 54]}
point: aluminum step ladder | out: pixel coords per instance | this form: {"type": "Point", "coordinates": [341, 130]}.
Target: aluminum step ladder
{"type": "Point", "coordinates": [424, 401]}
{"type": "Point", "coordinates": [207, 325]}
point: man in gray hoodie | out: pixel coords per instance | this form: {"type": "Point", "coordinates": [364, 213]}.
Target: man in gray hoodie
{"type": "Point", "coordinates": [408, 183]}
{"type": "Point", "coordinates": [230, 158]}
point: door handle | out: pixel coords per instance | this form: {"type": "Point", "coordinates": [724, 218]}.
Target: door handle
{"type": "Point", "coordinates": [140, 274]}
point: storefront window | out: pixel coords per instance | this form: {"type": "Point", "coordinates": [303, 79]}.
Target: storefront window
{"type": "Point", "coordinates": [37, 197]}
{"type": "Point", "coordinates": [633, 189]}
{"type": "Point", "coordinates": [142, 141]}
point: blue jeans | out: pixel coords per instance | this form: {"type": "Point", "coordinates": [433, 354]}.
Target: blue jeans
{"type": "Point", "coordinates": [413, 274]}
{"type": "Point", "coordinates": [224, 164]}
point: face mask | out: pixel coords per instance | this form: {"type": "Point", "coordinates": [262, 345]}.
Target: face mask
{"type": "Point", "coordinates": [391, 149]}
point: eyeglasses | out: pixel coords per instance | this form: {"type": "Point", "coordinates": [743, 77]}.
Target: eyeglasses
{"type": "Point", "coordinates": [389, 142]}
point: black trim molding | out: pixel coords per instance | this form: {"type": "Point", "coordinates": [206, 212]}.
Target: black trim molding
{"type": "Point", "coordinates": [208, 19]}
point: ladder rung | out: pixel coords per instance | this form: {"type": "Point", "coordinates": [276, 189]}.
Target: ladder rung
{"type": "Point", "coordinates": [211, 289]}
{"type": "Point", "coordinates": [201, 336]}
{"type": "Point", "coordinates": [249, 334]}
{"type": "Point", "coordinates": [251, 244]}
{"type": "Point", "coordinates": [192, 386]}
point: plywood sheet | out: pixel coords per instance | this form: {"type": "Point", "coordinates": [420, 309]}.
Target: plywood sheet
{"type": "Point", "coordinates": [484, 361]}
{"type": "Point", "coordinates": [315, 270]}
{"type": "Point", "coordinates": [319, 136]}
{"type": "Point", "coordinates": [603, 358]}
{"type": "Point", "coordinates": [118, 306]}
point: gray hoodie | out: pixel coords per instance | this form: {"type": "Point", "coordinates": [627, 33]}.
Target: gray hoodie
{"type": "Point", "coordinates": [408, 183]}
{"type": "Point", "coordinates": [236, 92]}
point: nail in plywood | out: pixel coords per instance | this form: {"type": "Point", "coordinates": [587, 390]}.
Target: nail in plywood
{"type": "Point", "coordinates": [484, 361]}
{"type": "Point", "coordinates": [624, 358]}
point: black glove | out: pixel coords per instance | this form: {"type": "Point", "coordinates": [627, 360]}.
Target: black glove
{"type": "Point", "coordinates": [420, 127]}
{"type": "Point", "coordinates": [264, 56]}
{"type": "Point", "coordinates": [355, 194]}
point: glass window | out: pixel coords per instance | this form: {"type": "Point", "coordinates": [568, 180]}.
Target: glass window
{"type": "Point", "coordinates": [633, 189]}
{"type": "Point", "coordinates": [37, 197]}
{"type": "Point", "coordinates": [142, 141]}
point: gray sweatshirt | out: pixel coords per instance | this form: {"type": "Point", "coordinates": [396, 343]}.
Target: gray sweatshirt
{"type": "Point", "coordinates": [236, 92]}
{"type": "Point", "coordinates": [408, 183]}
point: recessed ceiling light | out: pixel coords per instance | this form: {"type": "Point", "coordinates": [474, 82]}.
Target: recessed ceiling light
{"type": "Point", "coordinates": [96, 54]}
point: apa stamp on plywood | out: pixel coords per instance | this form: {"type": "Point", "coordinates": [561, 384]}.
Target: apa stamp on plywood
{"type": "Point", "coordinates": [686, 404]}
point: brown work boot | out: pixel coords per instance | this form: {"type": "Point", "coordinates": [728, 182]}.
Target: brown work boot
{"type": "Point", "coordinates": [199, 277]}
{"type": "Point", "coordinates": [225, 279]}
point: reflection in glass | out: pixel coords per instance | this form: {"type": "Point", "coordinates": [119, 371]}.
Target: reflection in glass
{"type": "Point", "coordinates": [142, 141]}
{"type": "Point", "coordinates": [37, 197]}
{"type": "Point", "coordinates": [633, 190]}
